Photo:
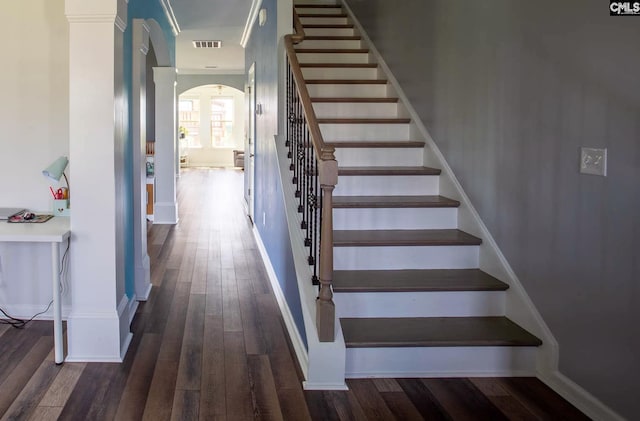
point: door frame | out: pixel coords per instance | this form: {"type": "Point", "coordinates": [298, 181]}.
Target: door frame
{"type": "Point", "coordinates": [250, 142]}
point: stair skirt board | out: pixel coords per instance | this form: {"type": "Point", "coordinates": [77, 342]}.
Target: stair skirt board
{"type": "Point", "coordinates": [405, 257]}
{"type": "Point", "coordinates": [477, 361]}
{"type": "Point", "coordinates": [388, 218]}
{"type": "Point", "coordinates": [386, 157]}
{"type": "Point", "coordinates": [420, 304]}
{"type": "Point", "coordinates": [373, 185]}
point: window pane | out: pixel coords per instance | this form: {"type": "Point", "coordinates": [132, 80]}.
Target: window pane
{"type": "Point", "coordinates": [189, 121]}
{"type": "Point", "coordinates": [222, 121]}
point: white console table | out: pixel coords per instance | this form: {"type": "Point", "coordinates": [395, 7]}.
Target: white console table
{"type": "Point", "coordinates": [54, 231]}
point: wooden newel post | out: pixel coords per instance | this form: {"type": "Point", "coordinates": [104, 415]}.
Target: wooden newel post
{"type": "Point", "coordinates": [325, 308]}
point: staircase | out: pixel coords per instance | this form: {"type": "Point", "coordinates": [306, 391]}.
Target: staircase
{"type": "Point", "coordinates": [407, 288]}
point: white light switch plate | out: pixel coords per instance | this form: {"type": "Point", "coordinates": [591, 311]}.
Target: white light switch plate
{"type": "Point", "coordinates": [593, 161]}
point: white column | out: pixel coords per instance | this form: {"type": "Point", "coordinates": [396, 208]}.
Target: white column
{"type": "Point", "coordinates": [139, 130]}
{"type": "Point", "coordinates": [97, 325]}
{"type": "Point", "coordinates": [166, 207]}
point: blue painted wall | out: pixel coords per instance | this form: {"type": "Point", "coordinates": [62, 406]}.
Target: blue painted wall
{"type": "Point", "coordinates": [137, 9]}
{"type": "Point", "coordinates": [262, 49]}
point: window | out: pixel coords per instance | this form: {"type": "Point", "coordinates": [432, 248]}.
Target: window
{"type": "Point", "coordinates": [189, 110]}
{"type": "Point", "coordinates": [207, 116]}
{"type": "Point", "coordinates": [222, 122]}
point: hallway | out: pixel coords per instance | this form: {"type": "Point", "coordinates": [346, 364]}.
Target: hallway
{"type": "Point", "coordinates": [210, 344]}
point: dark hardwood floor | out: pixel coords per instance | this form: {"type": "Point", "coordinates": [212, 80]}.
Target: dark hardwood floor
{"type": "Point", "coordinates": [210, 344]}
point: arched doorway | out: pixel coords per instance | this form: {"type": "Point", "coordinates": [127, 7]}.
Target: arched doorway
{"type": "Point", "coordinates": [211, 126]}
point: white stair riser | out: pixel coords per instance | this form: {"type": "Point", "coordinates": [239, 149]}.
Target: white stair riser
{"type": "Point", "coordinates": [335, 132]}
{"type": "Point", "coordinates": [330, 43]}
{"type": "Point", "coordinates": [399, 185]}
{"type": "Point", "coordinates": [346, 90]}
{"type": "Point", "coordinates": [420, 304]}
{"type": "Point", "coordinates": [318, 10]}
{"type": "Point", "coordinates": [480, 361]}
{"type": "Point", "coordinates": [405, 257]}
{"type": "Point", "coordinates": [333, 57]}
{"type": "Point", "coordinates": [339, 73]}
{"type": "Point", "coordinates": [355, 110]}
{"type": "Point", "coordinates": [375, 157]}
{"type": "Point", "coordinates": [324, 20]}
{"type": "Point", "coordinates": [343, 32]}
{"type": "Point", "coordinates": [386, 219]}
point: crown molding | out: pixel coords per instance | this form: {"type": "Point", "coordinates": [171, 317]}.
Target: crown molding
{"type": "Point", "coordinates": [248, 27]}
{"type": "Point", "coordinates": [168, 11]}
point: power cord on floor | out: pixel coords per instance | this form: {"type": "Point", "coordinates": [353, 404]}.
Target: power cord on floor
{"type": "Point", "coordinates": [20, 323]}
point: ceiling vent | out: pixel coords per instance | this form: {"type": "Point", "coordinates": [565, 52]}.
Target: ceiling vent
{"type": "Point", "coordinates": [207, 44]}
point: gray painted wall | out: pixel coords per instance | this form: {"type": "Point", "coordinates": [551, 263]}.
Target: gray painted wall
{"type": "Point", "coordinates": [510, 90]}
{"type": "Point", "coordinates": [186, 82]}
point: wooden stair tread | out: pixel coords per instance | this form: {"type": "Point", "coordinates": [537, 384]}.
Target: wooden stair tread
{"type": "Point", "coordinates": [364, 120]}
{"type": "Point", "coordinates": [345, 81]}
{"type": "Point", "coordinates": [415, 280]}
{"type": "Point", "coordinates": [332, 50]}
{"type": "Point", "coordinates": [347, 202]}
{"type": "Point", "coordinates": [317, 6]}
{"type": "Point", "coordinates": [328, 26]}
{"type": "Point", "coordinates": [332, 38]}
{"type": "Point", "coordinates": [322, 15]}
{"type": "Point", "coordinates": [377, 144]}
{"type": "Point", "coordinates": [388, 171]}
{"type": "Point", "coordinates": [435, 331]}
{"type": "Point", "coordinates": [379, 238]}
{"type": "Point", "coordinates": [343, 65]}
{"type": "Point", "coordinates": [356, 100]}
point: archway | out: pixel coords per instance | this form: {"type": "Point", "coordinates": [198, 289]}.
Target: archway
{"type": "Point", "coordinates": [150, 51]}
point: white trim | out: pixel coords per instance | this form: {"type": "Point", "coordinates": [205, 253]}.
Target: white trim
{"type": "Point", "coordinates": [583, 400]}
{"type": "Point", "coordinates": [298, 344]}
{"type": "Point", "coordinates": [168, 11]}
{"type": "Point", "coordinates": [326, 359]}
{"type": "Point", "coordinates": [324, 386]}
{"type": "Point", "coordinates": [132, 308]}
{"type": "Point", "coordinates": [251, 19]}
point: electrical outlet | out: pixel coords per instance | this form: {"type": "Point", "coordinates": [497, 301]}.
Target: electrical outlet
{"type": "Point", "coordinates": [593, 161]}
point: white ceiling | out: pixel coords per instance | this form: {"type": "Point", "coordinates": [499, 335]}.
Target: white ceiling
{"type": "Point", "coordinates": [222, 20]}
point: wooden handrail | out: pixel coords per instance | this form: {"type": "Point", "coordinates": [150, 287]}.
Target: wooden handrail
{"type": "Point", "coordinates": [325, 152]}
{"type": "Point", "coordinates": [297, 26]}
{"type": "Point", "coordinates": [328, 177]}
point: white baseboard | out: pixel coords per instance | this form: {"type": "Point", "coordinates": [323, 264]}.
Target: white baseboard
{"type": "Point", "coordinates": [143, 278]}
{"type": "Point", "coordinates": [165, 213]}
{"type": "Point", "coordinates": [298, 344]}
{"type": "Point", "coordinates": [94, 337]}
{"type": "Point", "coordinates": [580, 398]}
{"type": "Point", "coordinates": [324, 386]}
